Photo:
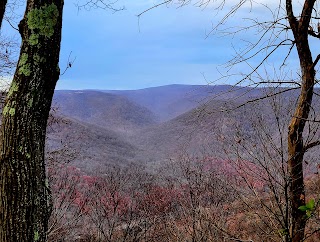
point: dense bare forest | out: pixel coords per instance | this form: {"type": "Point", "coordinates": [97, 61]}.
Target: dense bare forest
{"type": "Point", "coordinates": [186, 178]}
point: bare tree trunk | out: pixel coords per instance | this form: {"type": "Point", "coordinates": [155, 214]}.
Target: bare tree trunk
{"type": "Point", "coordinates": [297, 124]}
{"type": "Point", "coordinates": [295, 160]}
{"type": "Point", "coordinates": [3, 4]}
{"type": "Point", "coordinates": [25, 203]}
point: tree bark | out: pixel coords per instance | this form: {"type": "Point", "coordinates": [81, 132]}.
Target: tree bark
{"type": "Point", "coordinates": [295, 158]}
{"type": "Point", "coordinates": [3, 4]}
{"type": "Point", "coordinates": [25, 203]}
{"type": "Point", "coordinates": [297, 124]}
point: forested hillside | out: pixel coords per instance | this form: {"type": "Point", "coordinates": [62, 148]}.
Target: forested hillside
{"type": "Point", "coordinates": [199, 175]}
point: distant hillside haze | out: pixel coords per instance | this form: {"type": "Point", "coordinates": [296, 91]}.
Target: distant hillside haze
{"type": "Point", "coordinates": [152, 125]}
{"type": "Point", "coordinates": [138, 108]}
{"type": "Point", "coordinates": [168, 102]}
{"type": "Point", "coordinates": [103, 109]}
{"type": "Point", "coordinates": [89, 147]}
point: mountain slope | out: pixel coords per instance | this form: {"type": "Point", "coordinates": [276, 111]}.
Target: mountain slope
{"type": "Point", "coordinates": [168, 102]}
{"type": "Point", "coordinates": [195, 131]}
{"type": "Point", "coordinates": [103, 109]}
{"type": "Point", "coordinates": [112, 128]}
{"type": "Point", "coordinates": [88, 146]}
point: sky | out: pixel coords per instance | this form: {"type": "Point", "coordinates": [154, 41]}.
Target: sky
{"type": "Point", "coordinates": [120, 51]}
{"type": "Point", "coordinates": [167, 45]}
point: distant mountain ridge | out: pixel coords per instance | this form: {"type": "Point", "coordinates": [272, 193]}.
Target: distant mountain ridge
{"type": "Point", "coordinates": [170, 101]}
{"type": "Point", "coordinates": [153, 124]}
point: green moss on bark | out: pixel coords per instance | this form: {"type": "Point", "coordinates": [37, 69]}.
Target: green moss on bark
{"type": "Point", "coordinates": [8, 111]}
{"type": "Point", "coordinates": [24, 66]}
{"type": "Point", "coordinates": [13, 88]}
{"type": "Point", "coordinates": [36, 236]}
{"type": "Point", "coordinates": [42, 22]}
{"type": "Point", "coordinates": [38, 59]}
{"type": "Point", "coordinates": [25, 70]}
{"type": "Point", "coordinates": [34, 39]}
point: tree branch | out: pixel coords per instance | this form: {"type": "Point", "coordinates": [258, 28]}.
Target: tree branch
{"type": "Point", "coordinates": [292, 19]}
{"type": "Point", "coordinates": [315, 62]}
{"type": "Point", "coordinates": [311, 145]}
{"type": "Point", "coordinates": [155, 6]}
{"type": "Point", "coordinates": [306, 14]}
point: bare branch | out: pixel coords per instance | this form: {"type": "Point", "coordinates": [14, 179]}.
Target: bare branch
{"type": "Point", "coordinates": [102, 4]}
{"type": "Point", "coordinates": [265, 97]}
{"type": "Point", "coordinates": [69, 64]}
{"type": "Point", "coordinates": [306, 15]}
{"type": "Point", "coordinates": [311, 145]}
{"type": "Point", "coordinates": [155, 6]}
{"type": "Point", "coordinates": [316, 61]}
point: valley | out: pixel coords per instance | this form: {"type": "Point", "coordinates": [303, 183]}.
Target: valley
{"type": "Point", "coordinates": [150, 126]}
{"type": "Point", "coordinates": [150, 164]}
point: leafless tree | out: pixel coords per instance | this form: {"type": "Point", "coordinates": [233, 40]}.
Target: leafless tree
{"type": "Point", "coordinates": [258, 155]}
{"type": "Point", "coordinates": [290, 27]}
{"type": "Point", "coordinates": [204, 196]}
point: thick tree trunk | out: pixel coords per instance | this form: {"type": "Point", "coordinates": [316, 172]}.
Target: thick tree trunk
{"type": "Point", "coordinates": [295, 137]}
{"type": "Point", "coordinates": [295, 159]}
{"type": "Point", "coordinates": [25, 203]}
{"type": "Point", "coordinates": [296, 127]}
{"type": "Point", "coordinates": [3, 4]}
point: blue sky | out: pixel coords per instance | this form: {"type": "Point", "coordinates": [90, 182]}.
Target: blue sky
{"type": "Point", "coordinates": [167, 45]}
{"type": "Point", "coordinates": [119, 51]}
